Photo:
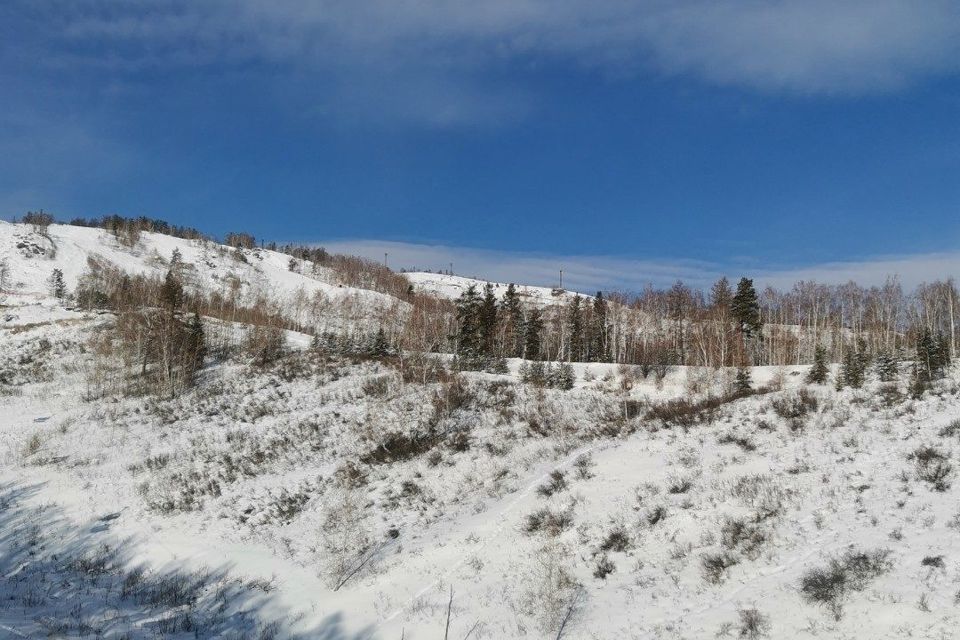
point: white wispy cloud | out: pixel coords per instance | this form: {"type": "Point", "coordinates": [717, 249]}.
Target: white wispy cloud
{"type": "Point", "coordinates": [437, 60]}
{"type": "Point", "coordinates": [592, 273]}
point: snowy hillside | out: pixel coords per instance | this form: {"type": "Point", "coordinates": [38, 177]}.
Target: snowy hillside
{"type": "Point", "coordinates": [452, 287]}
{"type": "Point", "coordinates": [31, 256]}
{"type": "Point", "coordinates": [322, 497]}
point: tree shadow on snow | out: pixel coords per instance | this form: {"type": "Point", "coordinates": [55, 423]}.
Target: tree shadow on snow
{"type": "Point", "coordinates": [61, 580]}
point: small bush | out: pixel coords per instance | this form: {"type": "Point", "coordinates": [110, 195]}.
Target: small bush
{"type": "Point", "coordinates": [932, 467]}
{"type": "Point", "coordinates": [737, 534]}
{"type": "Point", "coordinates": [555, 484]}
{"type": "Point", "coordinates": [743, 442]}
{"type": "Point", "coordinates": [753, 624]}
{"type": "Point", "coordinates": [934, 562]}
{"type": "Point", "coordinates": [603, 568]}
{"type": "Point", "coordinates": [714, 566]}
{"type": "Point", "coordinates": [617, 540]}
{"type": "Point", "coordinates": [830, 585]}
{"type": "Point", "coordinates": [552, 523]}
{"type": "Point", "coordinates": [582, 466]}
{"type": "Point", "coordinates": [656, 515]}
{"type": "Point", "coordinates": [680, 484]}
{"type": "Point", "coordinates": [952, 430]}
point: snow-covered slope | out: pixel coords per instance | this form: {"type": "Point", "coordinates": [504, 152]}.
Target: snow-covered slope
{"type": "Point", "coordinates": [452, 287]}
{"type": "Point", "coordinates": [32, 256]}
{"type": "Point", "coordinates": [522, 501]}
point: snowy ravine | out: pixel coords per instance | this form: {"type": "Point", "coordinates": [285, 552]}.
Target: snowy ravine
{"type": "Point", "coordinates": [235, 498]}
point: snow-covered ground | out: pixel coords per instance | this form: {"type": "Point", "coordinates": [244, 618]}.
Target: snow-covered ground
{"type": "Point", "coordinates": [450, 286]}
{"type": "Point", "coordinates": [343, 499]}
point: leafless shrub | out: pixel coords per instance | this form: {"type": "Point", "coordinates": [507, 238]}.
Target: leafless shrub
{"type": "Point", "coordinates": [617, 540]}
{"type": "Point", "coordinates": [346, 544]}
{"type": "Point", "coordinates": [679, 484]}
{"type": "Point", "coordinates": [656, 515]}
{"type": "Point", "coordinates": [830, 585]}
{"type": "Point", "coordinates": [932, 466]}
{"type": "Point", "coordinates": [753, 624]}
{"type": "Point", "coordinates": [737, 534]}
{"type": "Point", "coordinates": [743, 442]}
{"type": "Point", "coordinates": [548, 521]}
{"type": "Point", "coordinates": [714, 566]}
{"type": "Point", "coordinates": [762, 493]}
{"type": "Point", "coordinates": [603, 568]}
{"type": "Point", "coordinates": [553, 596]}
{"type": "Point", "coordinates": [582, 466]}
{"type": "Point", "coordinates": [556, 483]}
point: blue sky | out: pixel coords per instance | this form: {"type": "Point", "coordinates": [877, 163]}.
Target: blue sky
{"type": "Point", "coordinates": [663, 138]}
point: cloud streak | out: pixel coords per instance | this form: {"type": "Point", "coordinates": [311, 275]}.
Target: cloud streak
{"type": "Point", "coordinates": [440, 61]}
{"type": "Point", "coordinates": [592, 273]}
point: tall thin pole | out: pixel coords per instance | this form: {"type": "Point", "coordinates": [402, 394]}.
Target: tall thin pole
{"type": "Point", "coordinates": [561, 278]}
{"type": "Point", "coordinates": [384, 258]}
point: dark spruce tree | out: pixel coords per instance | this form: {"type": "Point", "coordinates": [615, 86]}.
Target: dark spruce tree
{"type": "Point", "coordinates": [819, 372]}
{"type": "Point", "coordinates": [575, 323]}
{"type": "Point", "coordinates": [886, 367]}
{"type": "Point", "coordinates": [745, 308]}
{"type": "Point", "coordinates": [532, 329]}
{"type": "Point", "coordinates": [511, 310]}
{"type": "Point", "coordinates": [599, 350]}
{"type": "Point", "coordinates": [488, 323]}
{"type": "Point", "coordinates": [469, 348]}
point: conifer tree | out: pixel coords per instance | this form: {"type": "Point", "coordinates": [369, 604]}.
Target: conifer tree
{"type": "Point", "coordinates": [599, 350]}
{"type": "Point", "coordinates": [469, 346]}
{"type": "Point", "coordinates": [886, 366]}
{"type": "Point", "coordinates": [819, 372]}
{"type": "Point", "coordinates": [196, 343]}
{"type": "Point", "coordinates": [57, 286]}
{"type": "Point", "coordinates": [512, 315]}
{"type": "Point", "coordinates": [488, 322]}
{"type": "Point", "coordinates": [743, 385]}
{"type": "Point", "coordinates": [575, 323]}
{"type": "Point", "coordinates": [745, 308]}
{"type": "Point", "coordinates": [171, 293]}
{"type": "Point", "coordinates": [532, 329]}
{"type": "Point", "coordinates": [380, 346]}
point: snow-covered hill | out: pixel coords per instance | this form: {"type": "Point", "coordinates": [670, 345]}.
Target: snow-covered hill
{"type": "Point", "coordinates": [448, 286]}
{"type": "Point", "coordinates": [31, 257]}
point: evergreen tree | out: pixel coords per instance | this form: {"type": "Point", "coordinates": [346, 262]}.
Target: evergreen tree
{"type": "Point", "coordinates": [512, 315]}
{"type": "Point", "coordinates": [886, 366]}
{"type": "Point", "coordinates": [532, 329]}
{"type": "Point", "coordinates": [575, 323]}
{"type": "Point", "coordinates": [171, 293]}
{"type": "Point", "coordinates": [599, 350]}
{"type": "Point", "coordinates": [743, 385]}
{"type": "Point", "coordinates": [853, 369]}
{"type": "Point", "coordinates": [176, 258]}
{"type": "Point", "coordinates": [819, 371]}
{"type": "Point", "coordinates": [380, 347]}
{"type": "Point", "coordinates": [745, 308]}
{"type": "Point", "coordinates": [196, 342]}
{"type": "Point", "coordinates": [57, 286]}
{"type": "Point", "coordinates": [933, 355]}
{"type": "Point", "coordinates": [488, 322]}
{"type": "Point", "coordinates": [918, 381]}
{"type": "Point", "coordinates": [567, 376]}
{"type": "Point", "coordinates": [469, 347]}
